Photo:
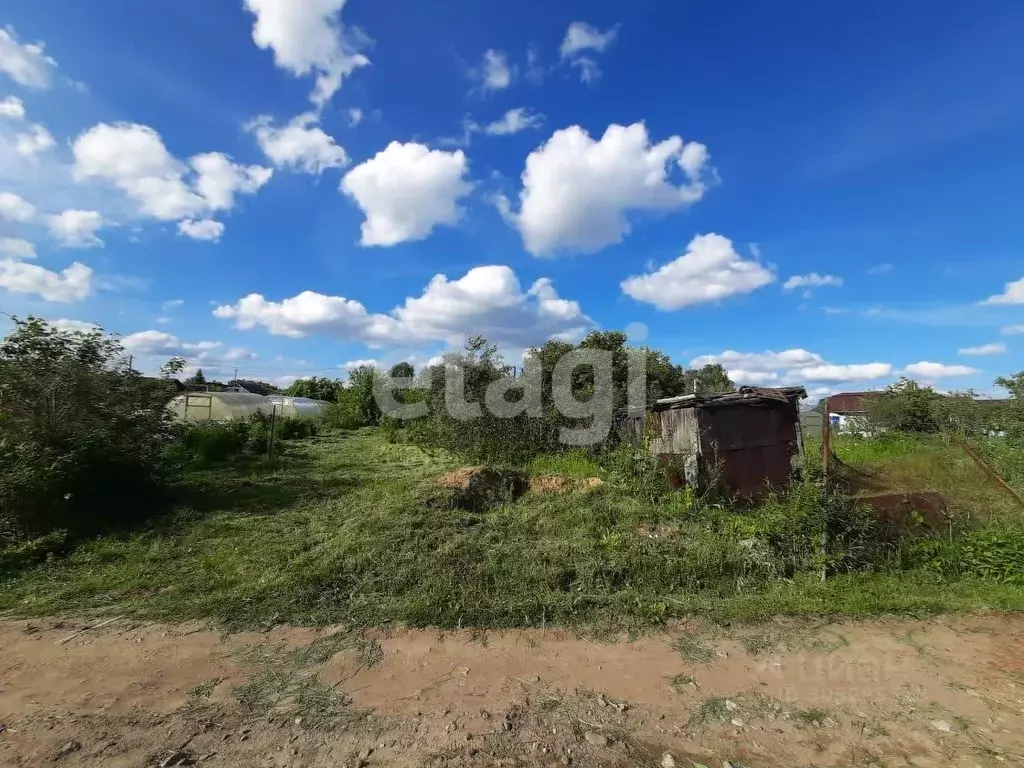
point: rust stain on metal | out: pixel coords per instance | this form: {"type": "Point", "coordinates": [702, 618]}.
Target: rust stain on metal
{"type": "Point", "coordinates": [746, 442]}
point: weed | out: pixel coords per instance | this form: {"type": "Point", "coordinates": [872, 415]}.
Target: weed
{"type": "Point", "coordinates": [693, 649]}
{"type": "Point", "coordinates": [204, 689]}
{"type": "Point", "coordinates": [716, 710]}
{"type": "Point", "coordinates": [812, 717]}
{"type": "Point", "coordinates": [680, 682]}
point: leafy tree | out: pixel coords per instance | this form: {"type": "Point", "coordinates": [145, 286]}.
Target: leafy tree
{"type": "Point", "coordinates": [906, 406]}
{"type": "Point", "coordinates": [172, 367]}
{"type": "Point", "coordinates": [316, 388]}
{"type": "Point", "coordinates": [361, 382]}
{"type": "Point", "coordinates": [402, 370]}
{"type": "Point", "coordinates": [196, 380]}
{"type": "Point", "coordinates": [82, 436]}
{"type": "Point", "coordinates": [711, 379]}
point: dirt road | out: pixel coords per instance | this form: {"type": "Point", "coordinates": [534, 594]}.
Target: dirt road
{"type": "Point", "coordinates": [947, 692]}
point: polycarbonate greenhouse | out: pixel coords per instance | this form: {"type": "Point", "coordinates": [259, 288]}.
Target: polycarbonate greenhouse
{"type": "Point", "coordinates": [219, 406]}
{"type": "Point", "coordinates": [303, 407]}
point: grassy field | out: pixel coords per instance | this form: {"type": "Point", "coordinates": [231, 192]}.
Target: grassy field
{"type": "Point", "coordinates": [347, 528]}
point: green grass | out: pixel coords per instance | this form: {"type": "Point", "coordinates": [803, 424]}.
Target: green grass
{"type": "Point", "coordinates": [344, 529]}
{"type": "Point", "coordinates": [903, 463]}
{"type": "Point", "coordinates": [573, 463]}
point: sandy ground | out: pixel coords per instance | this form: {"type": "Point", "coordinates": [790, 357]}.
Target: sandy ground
{"type": "Point", "coordinates": [945, 692]}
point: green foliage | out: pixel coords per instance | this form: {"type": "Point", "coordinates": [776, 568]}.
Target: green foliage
{"type": "Point", "coordinates": [207, 444]}
{"type": "Point", "coordinates": [905, 406]}
{"type": "Point", "coordinates": [638, 470]}
{"type": "Point", "coordinates": [402, 370]}
{"type": "Point", "coordinates": [316, 388]}
{"type": "Point", "coordinates": [342, 415]}
{"type": "Point", "coordinates": [518, 440]}
{"type": "Point", "coordinates": [361, 383]}
{"type": "Point", "coordinates": [996, 555]}
{"type": "Point", "coordinates": [196, 380]}
{"type": "Point", "coordinates": [82, 436]}
{"type": "Point", "coordinates": [575, 462]}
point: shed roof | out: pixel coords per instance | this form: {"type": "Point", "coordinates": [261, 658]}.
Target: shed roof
{"type": "Point", "coordinates": [744, 396]}
{"type": "Point", "coordinates": [849, 402]}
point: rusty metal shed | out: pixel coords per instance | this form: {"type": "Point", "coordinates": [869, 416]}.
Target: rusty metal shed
{"type": "Point", "coordinates": [744, 441]}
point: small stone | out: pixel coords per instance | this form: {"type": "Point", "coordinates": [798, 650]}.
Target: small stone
{"type": "Point", "coordinates": [365, 754]}
{"type": "Point", "coordinates": [597, 739]}
{"type": "Point", "coordinates": [667, 761]}
{"type": "Point", "coordinates": [731, 705]}
{"type": "Point", "coordinates": [67, 749]}
{"type": "Point", "coordinates": [941, 725]}
{"type": "Point", "coordinates": [737, 722]}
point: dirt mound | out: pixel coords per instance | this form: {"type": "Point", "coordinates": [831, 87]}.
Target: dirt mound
{"type": "Point", "coordinates": [477, 488]}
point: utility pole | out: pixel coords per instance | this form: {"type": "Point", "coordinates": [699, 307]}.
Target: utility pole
{"type": "Point", "coordinates": [131, 359]}
{"type": "Point", "coordinates": [236, 376]}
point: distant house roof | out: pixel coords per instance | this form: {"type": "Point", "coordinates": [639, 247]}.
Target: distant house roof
{"type": "Point", "coordinates": [849, 402]}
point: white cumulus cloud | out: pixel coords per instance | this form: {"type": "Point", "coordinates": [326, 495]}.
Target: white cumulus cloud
{"type": "Point", "coordinates": [813, 280]}
{"type": "Point", "coordinates": [577, 192]}
{"type": "Point", "coordinates": [76, 229]}
{"type": "Point", "coordinates": [134, 159]}
{"type": "Point", "coordinates": [839, 373]}
{"type": "Point", "coordinates": [791, 366]}
{"type": "Point", "coordinates": [406, 190]}
{"type": "Point", "coordinates": [71, 284]}
{"type": "Point", "coordinates": [984, 350]}
{"type": "Point", "coordinates": [16, 248]}
{"type": "Point", "coordinates": [12, 108]}
{"type": "Point", "coordinates": [25, 63]}
{"type": "Point", "coordinates": [207, 229]}
{"type": "Point", "coordinates": [514, 121]}
{"type": "Point", "coordinates": [309, 38]}
{"type": "Point", "coordinates": [486, 300]}
{"type": "Point", "coordinates": [1013, 293]}
{"type": "Point", "coordinates": [300, 145]}
{"type": "Point", "coordinates": [710, 270]}
{"type": "Point", "coordinates": [931, 371]}
{"type": "Point", "coordinates": [201, 229]}
{"type": "Point", "coordinates": [14, 208]}
{"type": "Point", "coordinates": [218, 179]}
{"type": "Point", "coordinates": [36, 141]}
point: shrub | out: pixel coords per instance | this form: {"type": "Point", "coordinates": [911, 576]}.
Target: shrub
{"type": "Point", "coordinates": [991, 555]}
{"type": "Point", "coordinates": [82, 436]}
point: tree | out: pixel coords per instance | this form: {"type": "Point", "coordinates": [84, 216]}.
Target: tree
{"type": "Point", "coordinates": [172, 367]}
{"type": "Point", "coordinates": [316, 388]}
{"type": "Point", "coordinates": [712, 379]}
{"type": "Point", "coordinates": [361, 381]}
{"type": "Point", "coordinates": [196, 380]}
{"type": "Point", "coordinates": [402, 370]}
{"type": "Point", "coordinates": [82, 435]}
{"type": "Point", "coordinates": [906, 406]}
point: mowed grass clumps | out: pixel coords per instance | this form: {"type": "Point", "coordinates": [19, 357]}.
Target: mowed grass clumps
{"type": "Point", "coordinates": [346, 529]}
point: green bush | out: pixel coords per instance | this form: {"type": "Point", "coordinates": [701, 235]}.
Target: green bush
{"type": "Point", "coordinates": [82, 436]}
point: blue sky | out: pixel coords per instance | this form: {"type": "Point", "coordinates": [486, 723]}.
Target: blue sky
{"type": "Point", "coordinates": [289, 187]}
